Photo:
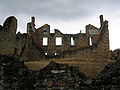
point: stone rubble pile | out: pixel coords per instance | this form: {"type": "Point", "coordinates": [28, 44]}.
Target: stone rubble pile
{"type": "Point", "coordinates": [56, 75]}
{"type": "Point", "coordinates": [115, 54]}
{"type": "Point", "coordinates": [14, 75]}
{"type": "Point", "coordinates": [109, 78]}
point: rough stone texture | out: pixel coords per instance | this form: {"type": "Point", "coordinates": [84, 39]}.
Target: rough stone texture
{"type": "Point", "coordinates": [14, 75]}
{"type": "Point", "coordinates": [81, 49]}
{"type": "Point", "coordinates": [21, 41]}
{"type": "Point", "coordinates": [56, 75]}
{"type": "Point", "coordinates": [30, 45]}
{"type": "Point", "coordinates": [99, 50]}
{"type": "Point", "coordinates": [115, 55]}
{"type": "Point", "coordinates": [33, 50]}
{"type": "Point", "coordinates": [8, 36]}
{"type": "Point", "coordinates": [109, 78]}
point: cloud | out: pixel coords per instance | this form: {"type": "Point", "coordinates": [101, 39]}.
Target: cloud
{"type": "Point", "coordinates": [62, 9]}
{"type": "Point", "coordinates": [64, 14]}
{"type": "Point", "coordinates": [57, 9]}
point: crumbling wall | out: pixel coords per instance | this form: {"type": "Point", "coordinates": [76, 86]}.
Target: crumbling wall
{"type": "Point", "coordinates": [21, 45]}
{"type": "Point", "coordinates": [14, 75]}
{"type": "Point", "coordinates": [93, 32]}
{"type": "Point", "coordinates": [8, 36]}
{"type": "Point", "coordinates": [80, 40]}
{"type": "Point", "coordinates": [33, 50]}
{"type": "Point", "coordinates": [99, 50]}
{"type": "Point", "coordinates": [99, 47]}
{"type": "Point", "coordinates": [30, 45]}
{"type": "Point", "coordinates": [103, 47]}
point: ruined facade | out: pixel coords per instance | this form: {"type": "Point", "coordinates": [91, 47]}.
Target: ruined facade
{"type": "Point", "coordinates": [39, 43]}
{"type": "Point", "coordinates": [8, 36]}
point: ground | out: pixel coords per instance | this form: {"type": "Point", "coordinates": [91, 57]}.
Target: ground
{"type": "Point", "coordinates": [90, 67]}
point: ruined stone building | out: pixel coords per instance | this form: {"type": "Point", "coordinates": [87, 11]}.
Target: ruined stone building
{"type": "Point", "coordinates": [39, 43]}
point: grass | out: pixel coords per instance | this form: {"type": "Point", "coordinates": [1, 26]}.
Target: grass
{"type": "Point", "coordinates": [90, 67]}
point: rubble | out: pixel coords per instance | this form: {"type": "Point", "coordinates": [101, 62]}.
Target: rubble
{"type": "Point", "coordinates": [93, 44]}
{"type": "Point", "coordinates": [14, 75]}
{"type": "Point", "coordinates": [115, 55]}
{"type": "Point", "coordinates": [56, 75]}
{"type": "Point", "coordinates": [109, 77]}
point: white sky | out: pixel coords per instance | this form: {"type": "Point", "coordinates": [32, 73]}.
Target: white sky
{"type": "Point", "coordinates": [69, 16]}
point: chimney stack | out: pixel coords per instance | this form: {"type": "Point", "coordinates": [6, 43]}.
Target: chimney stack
{"type": "Point", "coordinates": [101, 20]}
{"type": "Point", "coordinates": [33, 20]}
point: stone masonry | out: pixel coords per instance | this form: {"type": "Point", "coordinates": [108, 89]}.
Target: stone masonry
{"type": "Point", "coordinates": [92, 44]}
{"type": "Point", "coordinates": [15, 75]}
{"type": "Point", "coordinates": [8, 36]}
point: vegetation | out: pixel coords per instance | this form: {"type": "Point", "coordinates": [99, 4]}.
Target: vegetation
{"type": "Point", "coordinates": [90, 67]}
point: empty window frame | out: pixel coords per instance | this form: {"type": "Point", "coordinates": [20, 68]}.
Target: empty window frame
{"type": "Point", "coordinates": [45, 41]}
{"type": "Point", "coordinates": [57, 53]}
{"type": "Point", "coordinates": [58, 41]}
{"type": "Point", "coordinates": [90, 41]}
{"type": "Point", "coordinates": [72, 41]}
{"type": "Point", "coordinates": [44, 30]}
{"type": "Point", "coordinates": [46, 54]}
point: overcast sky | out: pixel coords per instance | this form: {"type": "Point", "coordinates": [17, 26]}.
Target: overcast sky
{"type": "Point", "coordinates": [69, 16]}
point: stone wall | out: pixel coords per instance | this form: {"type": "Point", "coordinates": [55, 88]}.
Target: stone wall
{"type": "Point", "coordinates": [8, 36]}
{"type": "Point", "coordinates": [30, 45]}
{"type": "Point", "coordinates": [99, 50]}
{"type": "Point", "coordinates": [21, 45]}
{"type": "Point", "coordinates": [33, 51]}
{"type": "Point", "coordinates": [99, 47]}
{"type": "Point", "coordinates": [80, 40]}
{"type": "Point", "coordinates": [14, 75]}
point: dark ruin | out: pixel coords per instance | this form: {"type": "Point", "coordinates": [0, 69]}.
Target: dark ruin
{"type": "Point", "coordinates": [14, 75]}
{"type": "Point", "coordinates": [38, 44]}
{"type": "Point", "coordinates": [16, 49]}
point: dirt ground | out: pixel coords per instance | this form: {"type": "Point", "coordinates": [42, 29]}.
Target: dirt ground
{"type": "Point", "coordinates": [90, 67]}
